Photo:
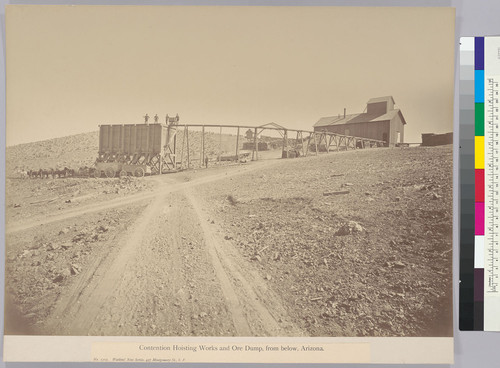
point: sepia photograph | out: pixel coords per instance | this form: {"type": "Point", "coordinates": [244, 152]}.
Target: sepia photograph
{"type": "Point", "coordinates": [250, 171]}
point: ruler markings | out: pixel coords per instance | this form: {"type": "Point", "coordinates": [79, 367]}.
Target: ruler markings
{"type": "Point", "coordinates": [492, 198]}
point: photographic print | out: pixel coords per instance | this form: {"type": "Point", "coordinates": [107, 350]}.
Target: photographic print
{"type": "Point", "coordinates": [229, 171]}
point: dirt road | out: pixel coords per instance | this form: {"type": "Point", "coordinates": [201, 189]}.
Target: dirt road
{"type": "Point", "coordinates": [245, 250]}
{"type": "Point", "coordinates": [170, 274]}
{"type": "Point", "coordinates": [166, 185]}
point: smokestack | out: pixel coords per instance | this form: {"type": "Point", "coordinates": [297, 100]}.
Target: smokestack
{"type": "Point", "coordinates": [344, 112]}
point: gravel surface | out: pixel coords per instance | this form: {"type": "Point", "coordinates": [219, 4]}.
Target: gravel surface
{"type": "Point", "coordinates": [356, 243]}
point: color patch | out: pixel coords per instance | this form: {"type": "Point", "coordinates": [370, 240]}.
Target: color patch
{"type": "Point", "coordinates": [479, 53]}
{"type": "Point", "coordinates": [478, 284]}
{"type": "Point", "coordinates": [479, 185]}
{"type": "Point", "coordinates": [479, 252]}
{"type": "Point", "coordinates": [479, 119]}
{"type": "Point", "coordinates": [479, 86]}
{"type": "Point", "coordinates": [479, 152]}
{"type": "Point", "coordinates": [479, 219]}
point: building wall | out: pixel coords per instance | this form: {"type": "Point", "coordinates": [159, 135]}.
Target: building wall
{"type": "Point", "coordinates": [430, 139]}
{"type": "Point", "coordinates": [396, 126]}
{"type": "Point", "coordinates": [379, 108]}
{"type": "Point", "coordinates": [373, 130]}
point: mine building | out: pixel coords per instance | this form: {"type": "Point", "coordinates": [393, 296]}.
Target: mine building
{"type": "Point", "coordinates": [432, 139]}
{"type": "Point", "coordinates": [380, 120]}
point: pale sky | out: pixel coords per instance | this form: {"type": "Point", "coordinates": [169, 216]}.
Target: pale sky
{"type": "Point", "coordinates": [71, 68]}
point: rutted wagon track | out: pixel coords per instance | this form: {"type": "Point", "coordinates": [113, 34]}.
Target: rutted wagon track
{"type": "Point", "coordinates": [166, 275]}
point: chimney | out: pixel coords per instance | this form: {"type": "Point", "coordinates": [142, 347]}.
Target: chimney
{"type": "Point", "coordinates": [344, 112]}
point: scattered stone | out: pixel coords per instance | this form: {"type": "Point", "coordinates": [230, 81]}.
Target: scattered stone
{"type": "Point", "coordinates": [68, 245]}
{"type": "Point", "coordinates": [25, 254]}
{"type": "Point", "coordinates": [399, 264]}
{"type": "Point", "coordinates": [350, 227]}
{"type": "Point", "coordinates": [62, 276]}
{"type": "Point", "coordinates": [67, 201]}
{"type": "Point", "coordinates": [203, 315]}
{"type": "Point", "coordinates": [257, 258]}
{"type": "Point", "coordinates": [75, 269]}
{"type": "Point", "coordinates": [227, 237]}
{"type": "Point", "coordinates": [347, 185]}
{"type": "Point", "coordinates": [336, 192]}
{"type": "Point", "coordinates": [397, 199]}
{"type": "Point", "coordinates": [102, 229]}
{"type": "Point", "coordinates": [268, 277]}
{"type": "Point", "coordinates": [276, 256]}
{"type": "Point", "coordinates": [435, 195]}
{"type": "Point", "coordinates": [54, 246]}
{"type": "Point", "coordinates": [64, 231]}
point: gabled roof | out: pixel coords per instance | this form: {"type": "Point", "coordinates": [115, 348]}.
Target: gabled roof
{"type": "Point", "coordinates": [381, 99]}
{"type": "Point", "coordinates": [390, 115]}
{"type": "Point", "coordinates": [358, 118]}
{"type": "Point", "coordinates": [334, 120]}
{"type": "Point", "coordinates": [274, 125]}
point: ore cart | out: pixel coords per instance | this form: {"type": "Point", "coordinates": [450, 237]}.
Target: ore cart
{"type": "Point", "coordinates": [135, 149]}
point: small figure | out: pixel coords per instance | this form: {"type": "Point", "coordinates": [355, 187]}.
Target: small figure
{"type": "Point", "coordinates": [166, 119]}
{"type": "Point", "coordinates": [156, 119]}
{"type": "Point", "coordinates": [206, 162]}
{"type": "Point", "coordinates": [146, 118]}
{"type": "Point", "coordinates": [249, 134]}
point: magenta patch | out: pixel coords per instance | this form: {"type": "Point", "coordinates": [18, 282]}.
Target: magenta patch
{"type": "Point", "coordinates": [479, 216]}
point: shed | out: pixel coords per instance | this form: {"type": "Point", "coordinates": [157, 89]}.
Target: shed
{"type": "Point", "coordinates": [379, 121]}
{"type": "Point", "coordinates": [431, 139]}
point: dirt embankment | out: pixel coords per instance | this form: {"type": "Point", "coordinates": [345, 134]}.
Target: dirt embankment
{"type": "Point", "coordinates": [356, 243]}
{"type": "Point", "coordinates": [81, 150]}
{"type": "Point", "coordinates": [348, 244]}
{"type": "Point", "coordinates": [137, 270]}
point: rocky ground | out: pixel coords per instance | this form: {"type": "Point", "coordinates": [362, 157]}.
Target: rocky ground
{"type": "Point", "coordinates": [80, 150]}
{"type": "Point", "coordinates": [41, 264]}
{"type": "Point", "coordinates": [354, 243]}
{"type": "Point", "coordinates": [27, 197]}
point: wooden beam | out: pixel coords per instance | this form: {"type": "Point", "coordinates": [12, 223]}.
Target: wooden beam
{"type": "Point", "coordinates": [237, 143]}
{"type": "Point", "coordinates": [220, 143]}
{"type": "Point", "coordinates": [285, 144]}
{"type": "Point", "coordinates": [202, 151]}
{"type": "Point", "coordinates": [256, 146]}
{"type": "Point", "coordinates": [182, 148]}
{"type": "Point", "coordinates": [308, 143]}
{"type": "Point", "coordinates": [187, 145]}
{"type": "Point", "coordinates": [203, 144]}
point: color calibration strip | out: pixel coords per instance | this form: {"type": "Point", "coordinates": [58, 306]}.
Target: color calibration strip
{"type": "Point", "coordinates": [467, 185]}
{"type": "Point", "coordinates": [479, 184]}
